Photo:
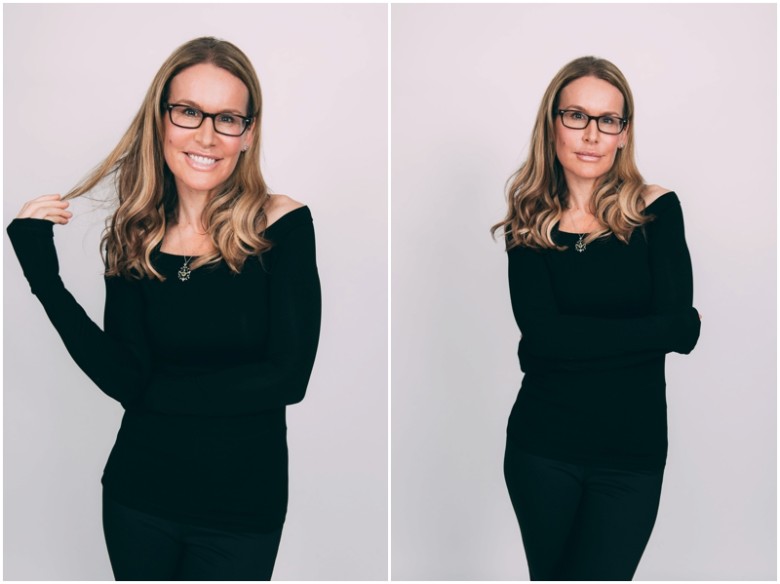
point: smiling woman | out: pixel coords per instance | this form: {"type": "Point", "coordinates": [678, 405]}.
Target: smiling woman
{"type": "Point", "coordinates": [195, 487]}
{"type": "Point", "coordinates": [198, 151]}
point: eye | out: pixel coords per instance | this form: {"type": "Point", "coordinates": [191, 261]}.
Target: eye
{"type": "Point", "coordinates": [190, 112]}
{"type": "Point", "coordinates": [609, 121]}
{"type": "Point", "coordinates": [576, 115]}
{"type": "Point", "coordinates": [228, 119]}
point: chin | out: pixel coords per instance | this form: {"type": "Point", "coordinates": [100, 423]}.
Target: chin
{"type": "Point", "coordinates": [588, 171]}
{"type": "Point", "coordinates": [198, 186]}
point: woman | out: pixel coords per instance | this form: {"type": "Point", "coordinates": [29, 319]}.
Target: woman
{"type": "Point", "coordinates": [601, 288]}
{"type": "Point", "coordinates": [212, 322]}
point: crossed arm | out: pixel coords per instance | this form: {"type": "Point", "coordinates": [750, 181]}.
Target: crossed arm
{"type": "Point", "coordinates": [583, 342]}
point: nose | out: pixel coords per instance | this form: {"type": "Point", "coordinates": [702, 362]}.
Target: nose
{"type": "Point", "coordinates": [205, 134]}
{"type": "Point", "coordinates": [591, 132]}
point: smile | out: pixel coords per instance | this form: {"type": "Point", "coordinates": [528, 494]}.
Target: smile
{"type": "Point", "coordinates": [200, 161]}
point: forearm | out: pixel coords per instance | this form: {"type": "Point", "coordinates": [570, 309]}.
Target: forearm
{"type": "Point", "coordinates": [564, 337]}
{"type": "Point", "coordinates": [530, 363]}
{"type": "Point", "coordinates": [241, 390]}
{"type": "Point", "coordinates": [118, 370]}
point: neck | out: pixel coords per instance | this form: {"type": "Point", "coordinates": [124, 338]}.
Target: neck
{"type": "Point", "coordinates": [190, 212]}
{"type": "Point", "coordinates": [579, 203]}
{"type": "Point", "coordinates": [580, 193]}
{"type": "Point", "coordinates": [578, 215]}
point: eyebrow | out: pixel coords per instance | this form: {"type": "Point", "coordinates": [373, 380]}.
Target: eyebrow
{"type": "Point", "coordinates": [585, 110]}
{"type": "Point", "coordinates": [198, 106]}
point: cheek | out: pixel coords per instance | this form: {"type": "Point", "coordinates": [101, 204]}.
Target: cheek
{"type": "Point", "coordinates": [169, 150]}
{"type": "Point", "coordinates": [233, 149]}
{"type": "Point", "coordinates": [560, 142]}
{"type": "Point", "coordinates": [613, 149]}
{"type": "Point", "coordinates": [563, 138]}
{"type": "Point", "coordinates": [172, 136]}
{"type": "Point", "coordinates": [170, 140]}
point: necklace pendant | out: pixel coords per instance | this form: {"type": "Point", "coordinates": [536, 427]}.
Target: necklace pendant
{"type": "Point", "coordinates": [580, 245]}
{"type": "Point", "coordinates": [184, 273]}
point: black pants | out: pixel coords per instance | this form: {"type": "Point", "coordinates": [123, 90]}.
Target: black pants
{"type": "Point", "coordinates": [146, 547]}
{"type": "Point", "coordinates": [581, 522]}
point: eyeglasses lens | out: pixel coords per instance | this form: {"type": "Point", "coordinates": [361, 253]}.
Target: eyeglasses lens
{"type": "Point", "coordinates": [189, 117]}
{"type": "Point", "coordinates": [579, 121]}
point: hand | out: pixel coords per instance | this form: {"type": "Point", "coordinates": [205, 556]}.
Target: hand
{"type": "Point", "coordinates": [49, 207]}
{"type": "Point", "coordinates": [688, 330]}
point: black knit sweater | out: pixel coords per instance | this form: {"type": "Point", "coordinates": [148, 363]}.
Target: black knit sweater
{"type": "Point", "coordinates": [204, 370]}
{"type": "Point", "coordinates": [595, 327]}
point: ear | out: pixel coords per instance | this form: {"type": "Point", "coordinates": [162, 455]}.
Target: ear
{"type": "Point", "coordinates": [248, 136]}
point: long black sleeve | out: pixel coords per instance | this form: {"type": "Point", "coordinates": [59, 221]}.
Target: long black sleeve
{"type": "Point", "coordinates": [670, 260]}
{"type": "Point", "coordinates": [281, 376]}
{"type": "Point", "coordinates": [116, 359]}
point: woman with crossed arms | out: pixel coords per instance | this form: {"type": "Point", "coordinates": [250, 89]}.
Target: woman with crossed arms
{"type": "Point", "coordinates": [601, 288]}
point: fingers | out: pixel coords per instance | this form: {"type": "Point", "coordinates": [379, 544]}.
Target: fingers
{"type": "Point", "coordinates": [49, 207]}
{"type": "Point", "coordinates": [59, 219]}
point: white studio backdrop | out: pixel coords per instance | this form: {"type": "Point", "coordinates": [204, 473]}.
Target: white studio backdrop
{"type": "Point", "coordinates": [467, 81]}
{"type": "Point", "coordinates": [74, 77]}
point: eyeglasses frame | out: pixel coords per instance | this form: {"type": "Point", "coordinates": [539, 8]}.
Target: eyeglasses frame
{"type": "Point", "coordinates": [597, 118]}
{"type": "Point", "coordinates": [246, 119]}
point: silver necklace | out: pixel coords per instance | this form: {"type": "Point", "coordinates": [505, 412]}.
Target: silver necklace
{"type": "Point", "coordinates": [184, 271]}
{"type": "Point", "coordinates": [580, 246]}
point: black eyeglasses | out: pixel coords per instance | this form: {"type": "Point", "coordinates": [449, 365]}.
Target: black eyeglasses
{"type": "Point", "coordinates": [577, 120]}
{"type": "Point", "coordinates": [187, 116]}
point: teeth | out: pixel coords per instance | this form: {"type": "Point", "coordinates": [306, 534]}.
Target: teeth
{"type": "Point", "coordinates": [202, 159]}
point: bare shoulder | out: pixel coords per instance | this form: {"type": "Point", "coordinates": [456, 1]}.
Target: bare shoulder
{"type": "Point", "coordinates": [652, 192]}
{"type": "Point", "coordinates": [278, 206]}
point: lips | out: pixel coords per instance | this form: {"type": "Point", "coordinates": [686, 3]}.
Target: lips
{"type": "Point", "coordinates": [201, 161]}
{"type": "Point", "coordinates": [589, 156]}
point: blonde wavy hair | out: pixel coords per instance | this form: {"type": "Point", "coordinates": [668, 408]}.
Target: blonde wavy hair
{"type": "Point", "coordinates": [147, 200]}
{"type": "Point", "coordinates": [537, 193]}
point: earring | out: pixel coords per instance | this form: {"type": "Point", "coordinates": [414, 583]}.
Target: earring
{"type": "Point", "coordinates": [245, 148]}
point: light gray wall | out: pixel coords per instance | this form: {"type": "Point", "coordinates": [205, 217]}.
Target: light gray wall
{"type": "Point", "coordinates": [467, 81]}
{"type": "Point", "coordinates": [74, 76]}
{"type": "Point", "coordinates": [466, 84]}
